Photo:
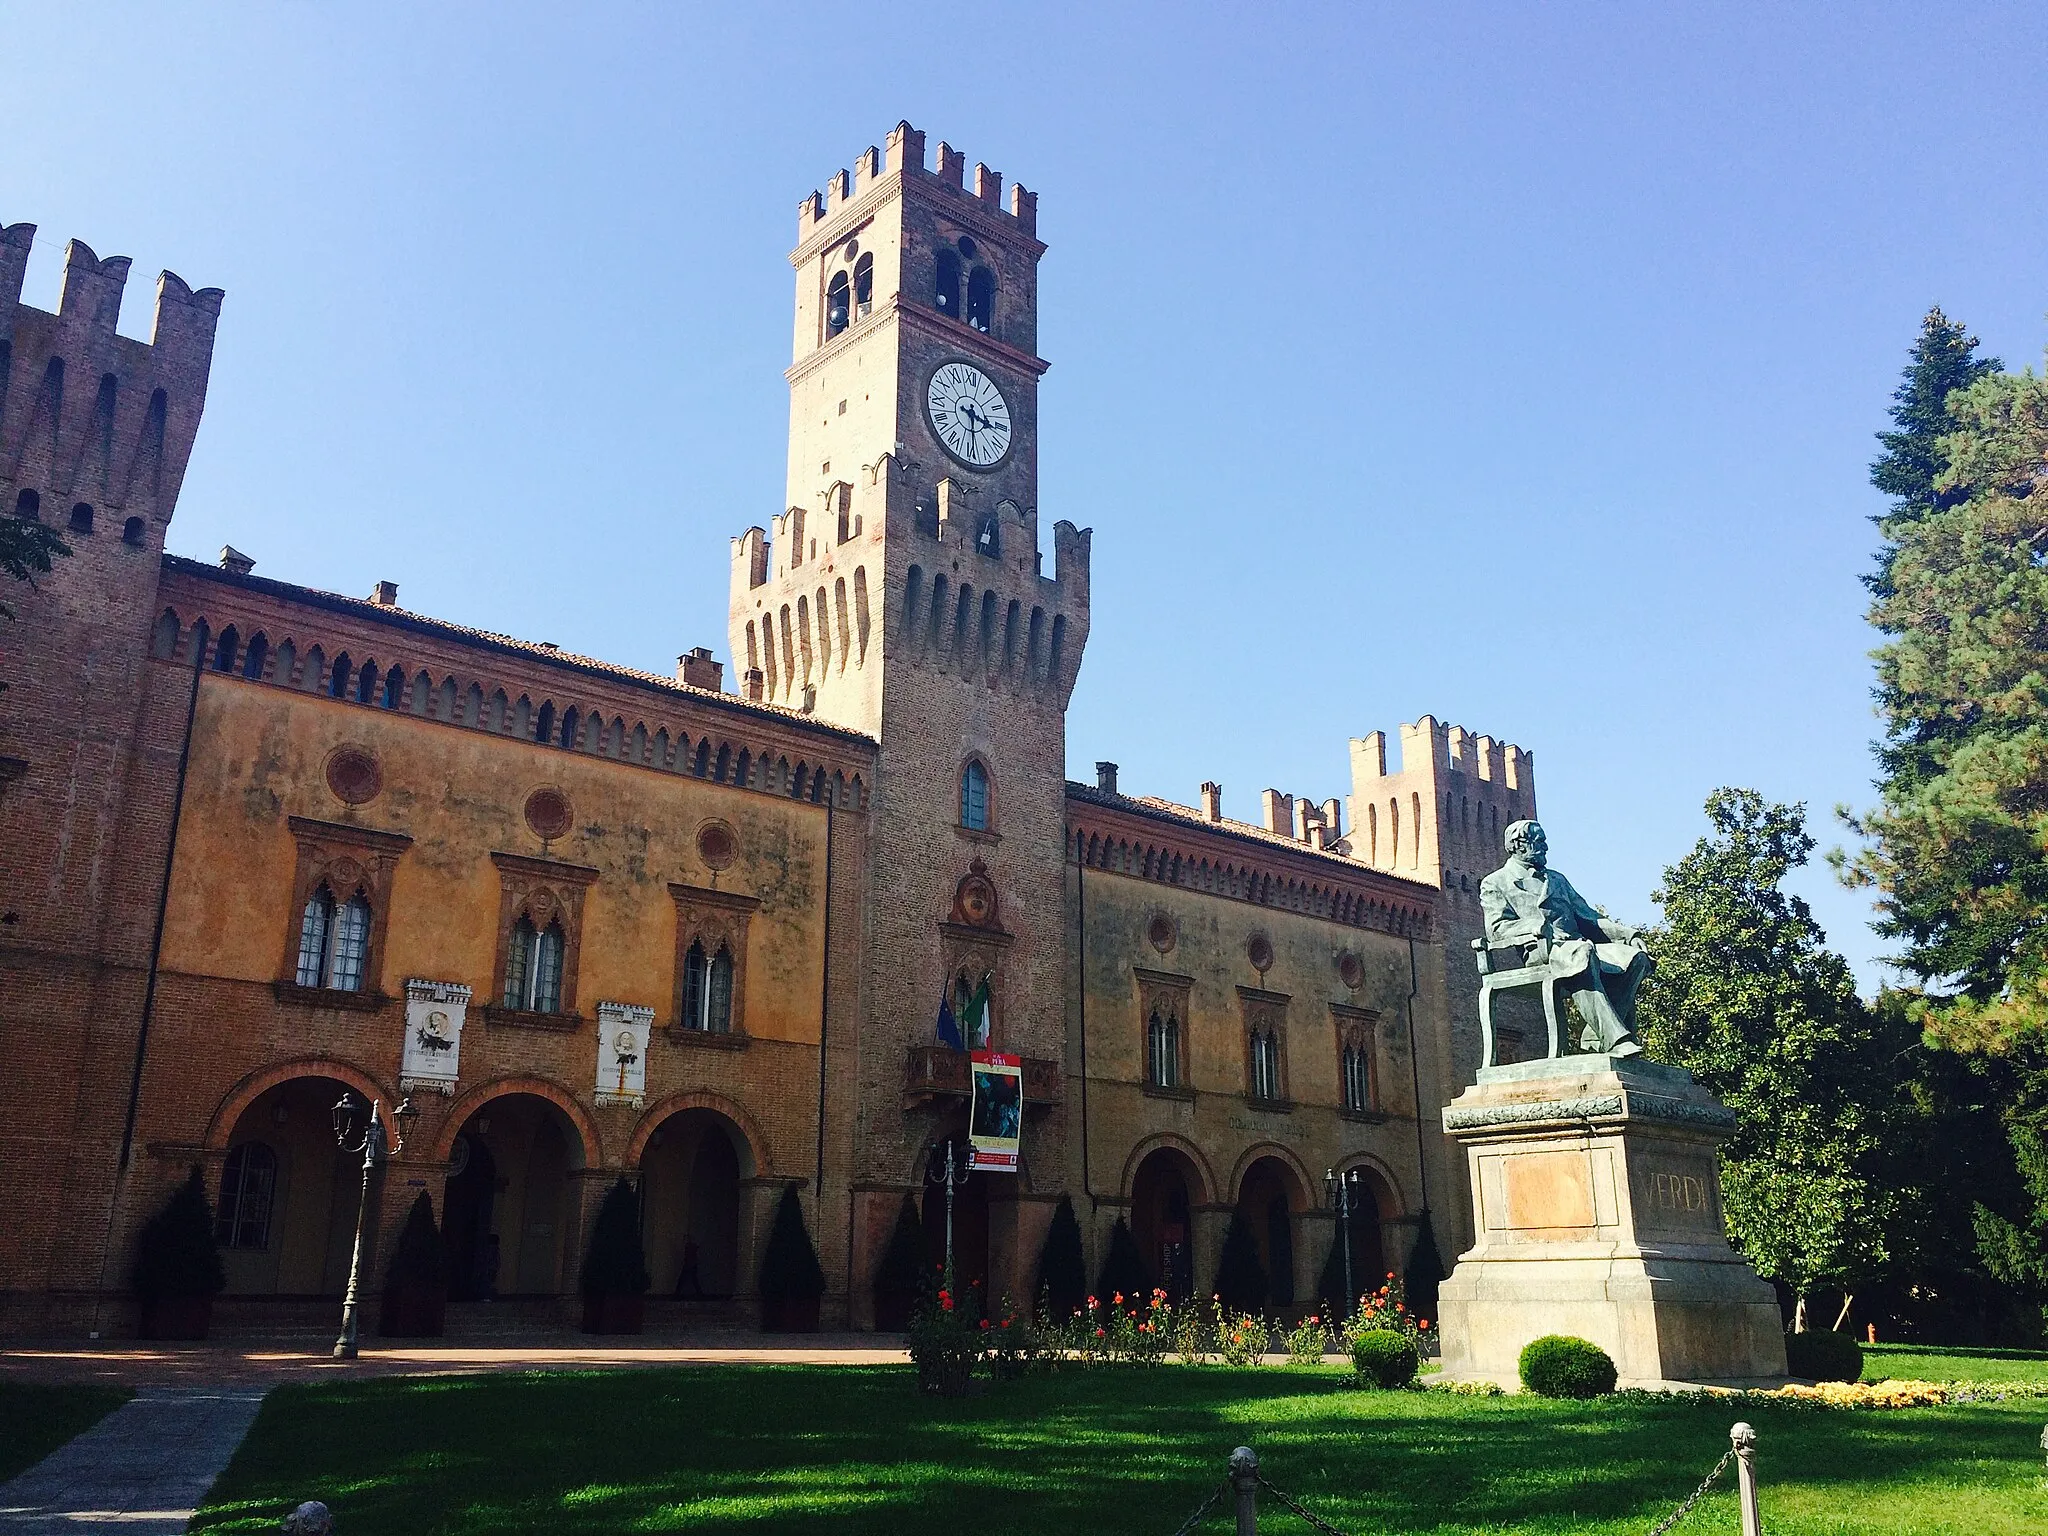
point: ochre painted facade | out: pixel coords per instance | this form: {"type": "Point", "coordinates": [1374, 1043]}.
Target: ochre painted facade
{"type": "Point", "coordinates": [259, 839]}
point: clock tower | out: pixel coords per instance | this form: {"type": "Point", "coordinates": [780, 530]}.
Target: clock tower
{"type": "Point", "coordinates": [901, 594]}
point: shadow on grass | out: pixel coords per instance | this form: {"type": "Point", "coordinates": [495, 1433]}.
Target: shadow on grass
{"type": "Point", "coordinates": [1107, 1452]}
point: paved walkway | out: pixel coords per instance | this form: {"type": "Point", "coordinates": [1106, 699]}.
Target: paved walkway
{"type": "Point", "coordinates": [140, 1471]}
{"type": "Point", "coordinates": [261, 1364]}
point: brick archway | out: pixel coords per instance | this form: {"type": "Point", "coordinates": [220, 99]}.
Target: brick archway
{"type": "Point", "coordinates": [1204, 1196]}
{"type": "Point", "coordinates": [257, 1083]}
{"type": "Point", "coordinates": [539, 1088]}
{"type": "Point", "coordinates": [718, 1104]}
{"type": "Point", "coordinates": [1388, 1194]}
{"type": "Point", "coordinates": [1258, 1152]}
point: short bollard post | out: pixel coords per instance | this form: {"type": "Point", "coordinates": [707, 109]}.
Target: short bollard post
{"type": "Point", "coordinates": [1744, 1440]}
{"type": "Point", "coordinates": [1244, 1482]}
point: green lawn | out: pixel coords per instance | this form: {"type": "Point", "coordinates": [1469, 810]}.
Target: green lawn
{"type": "Point", "coordinates": [857, 1450]}
{"type": "Point", "coordinates": [1931, 1362]}
{"type": "Point", "coordinates": [34, 1420]}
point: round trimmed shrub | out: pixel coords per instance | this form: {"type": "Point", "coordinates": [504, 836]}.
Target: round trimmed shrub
{"type": "Point", "coordinates": [1557, 1365]}
{"type": "Point", "coordinates": [1824, 1356]}
{"type": "Point", "coordinates": [1384, 1358]}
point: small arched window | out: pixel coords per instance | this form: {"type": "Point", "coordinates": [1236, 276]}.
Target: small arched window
{"type": "Point", "coordinates": [974, 797]}
{"type": "Point", "coordinates": [393, 695]}
{"type": "Point", "coordinates": [131, 531]}
{"type": "Point", "coordinates": [544, 724]}
{"type": "Point", "coordinates": [334, 942]}
{"type": "Point", "coordinates": [1265, 1065]}
{"type": "Point", "coordinates": [29, 505]}
{"type": "Point", "coordinates": [366, 683]}
{"type": "Point", "coordinates": [81, 517]}
{"type": "Point", "coordinates": [1162, 1050]}
{"type": "Point", "coordinates": [863, 286]}
{"type": "Point", "coordinates": [258, 654]}
{"type": "Point", "coordinates": [166, 645]}
{"type": "Point", "coordinates": [946, 283]}
{"type": "Point", "coordinates": [533, 968]}
{"type": "Point", "coordinates": [707, 990]}
{"type": "Point", "coordinates": [224, 653]}
{"type": "Point", "coordinates": [1357, 1079]}
{"type": "Point", "coordinates": [344, 670]}
{"type": "Point", "coordinates": [981, 298]}
{"type": "Point", "coordinates": [838, 305]}
{"type": "Point", "coordinates": [248, 1191]}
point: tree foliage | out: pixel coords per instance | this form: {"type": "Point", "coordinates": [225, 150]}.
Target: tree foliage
{"type": "Point", "coordinates": [27, 549]}
{"type": "Point", "coordinates": [1747, 996]}
{"type": "Point", "coordinates": [1062, 1267]}
{"type": "Point", "coordinates": [616, 1264]}
{"type": "Point", "coordinates": [1240, 1277]}
{"type": "Point", "coordinates": [1123, 1268]}
{"type": "Point", "coordinates": [175, 1255]}
{"type": "Point", "coordinates": [789, 1267]}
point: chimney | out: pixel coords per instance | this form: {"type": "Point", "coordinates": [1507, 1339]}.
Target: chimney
{"type": "Point", "coordinates": [385, 594]}
{"type": "Point", "coordinates": [696, 669]}
{"type": "Point", "coordinates": [1212, 802]}
{"type": "Point", "coordinates": [1318, 836]}
{"type": "Point", "coordinates": [1277, 811]}
{"type": "Point", "coordinates": [756, 683]}
{"type": "Point", "coordinates": [232, 559]}
{"type": "Point", "coordinates": [1105, 777]}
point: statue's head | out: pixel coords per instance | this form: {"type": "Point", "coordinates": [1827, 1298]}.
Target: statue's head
{"type": "Point", "coordinates": [1525, 839]}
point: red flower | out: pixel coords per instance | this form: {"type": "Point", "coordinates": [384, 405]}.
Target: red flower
{"type": "Point", "coordinates": [984, 1323]}
{"type": "Point", "coordinates": [1117, 1299]}
{"type": "Point", "coordinates": [1098, 1333]}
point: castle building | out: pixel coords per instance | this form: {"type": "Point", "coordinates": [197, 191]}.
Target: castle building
{"type": "Point", "coordinates": [261, 844]}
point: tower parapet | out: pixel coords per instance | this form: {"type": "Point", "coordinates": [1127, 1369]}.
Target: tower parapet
{"type": "Point", "coordinates": [95, 426]}
{"type": "Point", "coordinates": [1439, 817]}
{"type": "Point", "coordinates": [905, 156]}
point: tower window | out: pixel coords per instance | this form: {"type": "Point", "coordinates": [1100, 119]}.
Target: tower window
{"type": "Point", "coordinates": [29, 505]}
{"type": "Point", "coordinates": [981, 298]}
{"type": "Point", "coordinates": [946, 291]}
{"type": "Point", "coordinates": [224, 653]}
{"type": "Point", "coordinates": [863, 287]}
{"type": "Point", "coordinates": [1265, 1065]}
{"type": "Point", "coordinates": [81, 517]}
{"type": "Point", "coordinates": [974, 797]}
{"type": "Point", "coordinates": [131, 531]}
{"type": "Point", "coordinates": [836, 305]}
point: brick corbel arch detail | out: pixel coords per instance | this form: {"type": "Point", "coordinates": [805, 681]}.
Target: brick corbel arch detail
{"type": "Point", "coordinates": [540, 1088]}
{"type": "Point", "coordinates": [263, 1079]}
{"type": "Point", "coordinates": [1385, 1175]}
{"type": "Point", "coordinates": [1206, 1195]}
{"type": "Point", "coordinates": [1258, 1152]}
{"type": "Point", "coordinates": [718, 1104]}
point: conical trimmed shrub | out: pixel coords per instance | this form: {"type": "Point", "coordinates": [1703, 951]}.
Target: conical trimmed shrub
{"type": "Point", "coordinates": [901, 1274]}
{"type": "Point", "coordinates": [176, 1256]}
{"type": "Point", "coordinates": [792, 1280]}
{"type": "Point", "coordinates": [1062, 1266]}
{"type": "Point", "coordinates": [416, 1280]}
{"type": "Point", "coordinates": [1240, 1277]}
{"type": "Point", "coordinates": [1123, 1271]}
{"type": "Point", "coordinates": [616, 1263]}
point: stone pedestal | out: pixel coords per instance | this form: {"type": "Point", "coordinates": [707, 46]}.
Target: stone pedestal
{"type": "Point", "coordinates": [1597, 1203]}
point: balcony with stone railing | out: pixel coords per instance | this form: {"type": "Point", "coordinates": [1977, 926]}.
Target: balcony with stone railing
{"type": "Point", "coordinates": [940, 1072]}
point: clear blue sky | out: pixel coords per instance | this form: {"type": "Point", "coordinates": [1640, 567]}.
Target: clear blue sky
{"type": "Point", "coordinates": [1517, 364]}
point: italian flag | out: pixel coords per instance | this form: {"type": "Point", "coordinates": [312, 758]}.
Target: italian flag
{"type": "Point", "coordinates": [978, 1023]}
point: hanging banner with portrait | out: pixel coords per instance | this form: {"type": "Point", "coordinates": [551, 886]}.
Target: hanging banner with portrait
{"type": "Point", "coordinates": [623, 1030]}
{"type": "Point", "coordinates": [434, 1011]}
{"type": "Point", "coordinates": [995, 1115]}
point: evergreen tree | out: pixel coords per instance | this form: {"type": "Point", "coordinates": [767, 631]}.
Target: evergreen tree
{"type": "Point", "coordinates": [616, 1264]}
{"type": "Point", "coordinates": [1944, 360]}
{"type": "Point", "coordinates": [1062, 1266]}
{"type": "Point", "coordinates": [1957, 849]}
{"type": "Point", "coordinates": [1123, 1271]}
{"type": "Point", "coordinates": [1240, 1277]}
{"type": "Point", "coordinates": [904, 1268]}
{"type": "Point", "coordinates": [1747, 996]}
{"type": "Point", "coordinates": [789, 1267]}
{"type": "Point", "coordinates": [420, 1259]}
{"type": "Point", "coordinates": [1425, 1275]}
{"type": "Point", "coordinates": [176, 1255]}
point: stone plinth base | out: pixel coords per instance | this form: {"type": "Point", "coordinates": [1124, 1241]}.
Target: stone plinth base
{"type": "Point", "coordinates": [1597, 1203]}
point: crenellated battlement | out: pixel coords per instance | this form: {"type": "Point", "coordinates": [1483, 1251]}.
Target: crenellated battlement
{"type": "Point", "coordinates": [903, 154]}
{"type": "Point", "coordinates": [91, 421]}
{"type": "Point", "coordinates": [1441, 813]}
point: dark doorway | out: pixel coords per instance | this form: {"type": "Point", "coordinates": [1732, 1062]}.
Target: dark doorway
{"type": "Point", "coordinates": [1162, 1222]}
{"type": "Point", "coordinates": [472, 1245]}
{"type": "Point", "coordinates": [690, 1206]}
{"type": "Point", "coordinates": [970, 1220]}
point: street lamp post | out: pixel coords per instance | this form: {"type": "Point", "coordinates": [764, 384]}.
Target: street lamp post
{"type": "Point", "coordinates": [947, 1176]}
{"type": "Point", "coordinates": [374, 1151]}
{"type": "Point", "coordinates": [1339, 1187]}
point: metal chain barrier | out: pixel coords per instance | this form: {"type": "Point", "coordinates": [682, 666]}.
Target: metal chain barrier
{"type": "Point", "coordinates": [1315, 1520]}
{"type": "Point", "coordinates": [1202, 1509]}
{"type": "Point", "coordinates": [1698, 1493]}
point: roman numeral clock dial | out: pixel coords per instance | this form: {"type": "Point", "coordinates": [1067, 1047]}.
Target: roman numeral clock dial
{"type": "Point", "coordinates": [969, 415]}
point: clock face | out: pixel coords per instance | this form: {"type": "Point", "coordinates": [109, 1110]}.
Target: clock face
{"type": "Point", "coordinates": [969, 415]}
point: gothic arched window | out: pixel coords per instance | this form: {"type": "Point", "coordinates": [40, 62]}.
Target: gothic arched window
{"type": "Point", "coordinates": [1265, 1065]}
{"type": "Point", "coordinates": [981, 298]}
{"type": "Point", "coordinates": [707, 990]}
{"type": "Point", "coordinates": [838, 307]}
{"type": "Point", "coordinates": [248, 1190]}
{"type": "Point", "coordinates": [533, 968]}
{"type": "Point", "coordinates": [946, 285]}
{"type": "Point", "coordinates": [1357, 1079]}
{"type": "Point", "coordinates": [863, 286]}
{"type": "Point", "coordinates": [974, 797]}
{"type": "Point", "coordinates": [1162, 1050]}
{"type": "Point", "coordinates": [334, 941]}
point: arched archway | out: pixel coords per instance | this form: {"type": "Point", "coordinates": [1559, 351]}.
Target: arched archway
{"type": "Point", "coordinates": [691, 1164]}
{"type": "Point", "coordinates": [285, 1196]}
{"type": "Point", "coordinates": [512, 1209]}
{"type": "Point", "coordinates": [1272, 1198]}
{"type": "Point", "coordinates": [1163, 1194]}
{"type": "Point", "coordinates": [970, 1213]}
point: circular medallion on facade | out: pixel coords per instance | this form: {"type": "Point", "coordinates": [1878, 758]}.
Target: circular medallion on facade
{"type": "Point", "coordinates": [353, 775]}
{"type": "Point", "coordinates": [548, 814]}
{"type": "Point", "coordinates": [1259, 950]}
{"type": "Point", "coordinates": [852, 250]}
{"type": "Point", "coordinates": [1162, 933]}
{"type": "Point", "coordinates": [1350, 970]}
{"type": "Point", "coordinates": [458, 1157]}
{"type": "Point", "coordinates": [717, 845]}
{"type": "Point", "coordinates": [977, 899]}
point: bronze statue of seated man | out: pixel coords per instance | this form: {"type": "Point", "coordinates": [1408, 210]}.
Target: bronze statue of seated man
{"type": "Point", "coordinates": [1597, 961]}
